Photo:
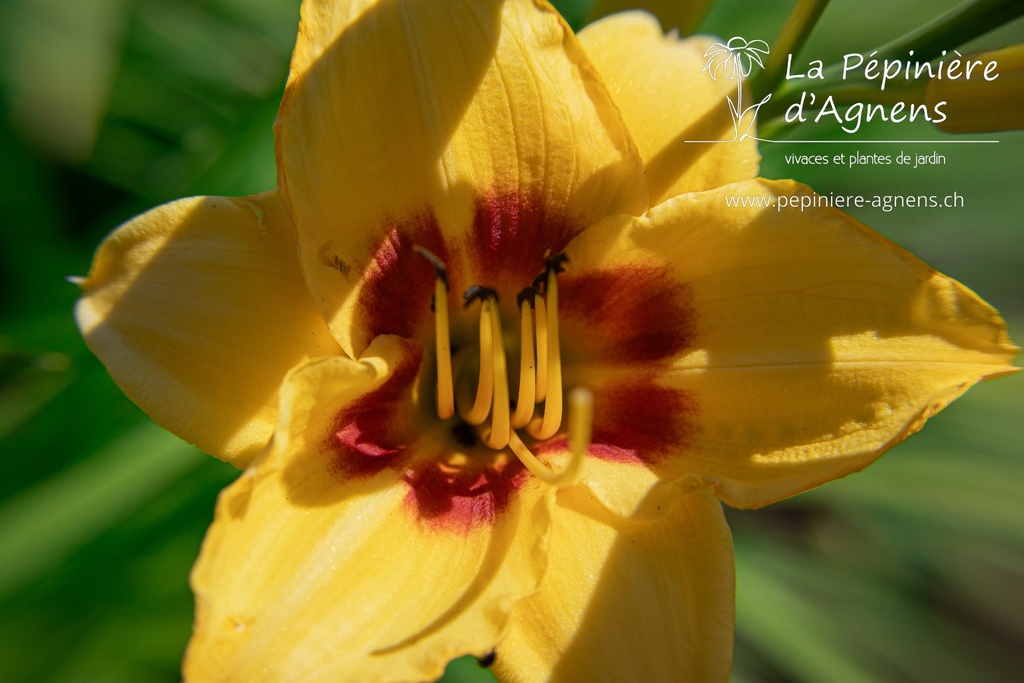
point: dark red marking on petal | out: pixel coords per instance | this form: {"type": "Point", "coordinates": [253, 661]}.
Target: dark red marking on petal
{"type": "Point", "coordinates": [641, 423]}
{"type": "Point", "coordinates": [603, 451]}
{"type": "Point", "coordinates": [366, 435]}
{"type": "Point", "coordinates": [397, 283]}
{"type": "Point", "coordinates": [512, 233]}
{"type": "Point", "coordinates": [459, 500]}
{"type": "Point", "coordinates": [611, 453]}
{"type": "Point", "coordinates": [629, 314]}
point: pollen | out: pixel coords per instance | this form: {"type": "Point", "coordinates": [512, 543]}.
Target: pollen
{"type": "Point", "coordinates": [473, 387]}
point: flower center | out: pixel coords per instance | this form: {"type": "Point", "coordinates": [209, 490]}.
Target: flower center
{"type": "Point", "coordinates": [487, 407]}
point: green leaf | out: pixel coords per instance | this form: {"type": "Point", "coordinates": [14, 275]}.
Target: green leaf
{"type": "Point", "coordinates": [45, 524]}
{"type": "Point", "coordinates": [466, 670]}
{"type": "Point", "coordinates": [30, 388]}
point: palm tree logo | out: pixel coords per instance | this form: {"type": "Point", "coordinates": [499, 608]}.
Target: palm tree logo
{"type": "Point", "coordinates": [735, 60]}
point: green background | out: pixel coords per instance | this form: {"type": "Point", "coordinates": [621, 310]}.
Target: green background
{"type": "Point", "coordinates": [911, 571]}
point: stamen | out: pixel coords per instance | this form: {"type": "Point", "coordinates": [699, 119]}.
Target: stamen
{"type": "Point", "coordinates": [553, 400]}
{"type": "Point", "coordinates": [540, 373]}
{"type": "Point", "coordinates": [527, 372]}
{"type": "Point", "coordinates": [554, 263]}
{"type": "Point", "coordinates": [442, 338]}
{"type": "Point", "coordinates": [485, 384]}
{"type": "Point", "coordinates": [581, 421]}
{"type": "Point", "coordinates": [541, 317]}
{"type": "Point", "coordinates": [443, 344]}
{"type": "Point", "coordinates": [437, 264]}
{"type": "Point", "coordinates": [498, 436]}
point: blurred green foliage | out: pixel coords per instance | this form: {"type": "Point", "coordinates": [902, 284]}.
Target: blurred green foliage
{"type": "Point", "coordinates": [912, 571]}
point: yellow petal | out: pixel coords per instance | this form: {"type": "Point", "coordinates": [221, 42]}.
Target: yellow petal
{"type": "Point", "coordinates": [812, 344]}
{"type": "Point", "coordinates": [977, 104]}
{"type": "Point", "coordinates": [682, 16]}
{"type": "Point", "coordinates": [656, 81]}
{"type": "Point", "coordinates": [476, 129]}
{"type": "Point", "coordinates": [198, 309]}
{"type": "Point", "coordinates": [323, 567]}
{"type": "Point", "coordinates": [628, 601]}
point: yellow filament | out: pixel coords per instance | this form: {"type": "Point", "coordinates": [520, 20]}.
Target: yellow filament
{"type": "Point", "coordinates": [445, 391]}
{"type": "Point", "coordinates": [485, 385]}
{"type": "Point", "coordinates": [497, 437]}
{"type": "Point", "coordinates": [581, 421]}
{"type": "Point", "coordinates": [527, 372]}
{"type": "Point", "coordinates": [542, 349]}
{"type": "Point", "coordinates": [553, 401]}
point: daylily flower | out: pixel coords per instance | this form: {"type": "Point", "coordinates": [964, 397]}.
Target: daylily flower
{"type": "Point", "coordinates": [405, 499]}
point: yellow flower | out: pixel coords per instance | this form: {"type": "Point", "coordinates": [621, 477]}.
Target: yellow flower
{"type": "Point", "coordinates": [382, 525]}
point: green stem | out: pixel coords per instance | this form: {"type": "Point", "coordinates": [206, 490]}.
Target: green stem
{"type": "Point", "coordinates": [791, 38]}
{"type": "Point", "coordinates": [952, 29]}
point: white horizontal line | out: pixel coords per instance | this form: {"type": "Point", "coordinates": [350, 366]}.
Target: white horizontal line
{"type": "Point", "coordinates": [883, 142]}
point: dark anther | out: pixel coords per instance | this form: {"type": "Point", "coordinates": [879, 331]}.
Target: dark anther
{"type": "Point", "coordinates": [438, 265]}
{"type": "Point", "coordinates": [464, 434]}
{"type": "Point", "coordinates": [479, 292]}
{"type": "Point", "coordinates": [487, 659]}
{"type": "Point", "coordinates": [540, 282]}
{"type": "Point", "coordinates": [527, 295]}
{"type": "Point", "coordinates": [432, 303]}
{"type": "Point", "coordinates": [555, 262]}
{"type": "Point", "coordinates": [552, 264]}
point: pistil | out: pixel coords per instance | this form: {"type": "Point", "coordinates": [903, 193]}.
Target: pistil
{"type": "Point", "coordinates": [581, 420]}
